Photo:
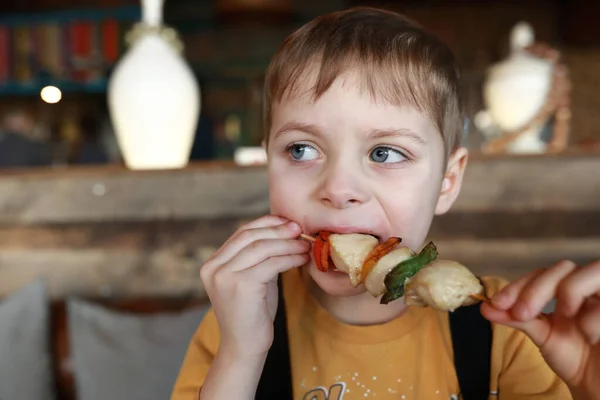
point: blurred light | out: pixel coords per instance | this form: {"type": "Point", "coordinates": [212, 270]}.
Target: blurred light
{"type": "Point", "coordinates": [51, 94]}
{"type": "Point", "coordinates": [250, 156]}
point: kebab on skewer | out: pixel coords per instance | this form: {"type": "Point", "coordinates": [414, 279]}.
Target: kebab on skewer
{"type": "Point", "coordinates": [393, 271]}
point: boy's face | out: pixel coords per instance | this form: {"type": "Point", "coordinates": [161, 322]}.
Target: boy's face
{"type": "Point", "coordinates": [347, 163]}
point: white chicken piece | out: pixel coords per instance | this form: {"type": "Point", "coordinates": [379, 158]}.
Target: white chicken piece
{"type": "Point", "coordinates": [375, 280]}
{"type": "Point", "coordinates": [443, 285]}
{"type": "Point", "coordinates": [349, 251]}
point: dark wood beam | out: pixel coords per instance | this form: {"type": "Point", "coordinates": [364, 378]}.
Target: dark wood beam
{"type": "Point", "coordinates": [173, 272]}
{"type": "Point", "coordinates": [579, 23]}
{"type": "Point", "coordinates": [162, 259]}
{"type": "Point", "coordinates": [568, 182]}
{"type": "Point", "coordinates": [185, 236]}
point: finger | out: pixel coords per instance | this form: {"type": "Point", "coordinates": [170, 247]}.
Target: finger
{"type": "Point", "coordinates": [494, 314]}
{"type": "Point", "coordinates": [262, 222]}
{"type": "Point", "coordinates": [537, 329]}
{"type": "Point", "coordinates": [573, 291]}
{"type": "Point", "coordinates": [289, 230]}
{"type": "Point", "coordinates": [541, 290]}
{"type": "Point", "coordinates": [589, 321]}
{"type": "Point", "coordinates": [260, 250]}
{"type": "Point", "coordinates": [268, 270]}
{"type": "Point", "coordinates": [505, 298]}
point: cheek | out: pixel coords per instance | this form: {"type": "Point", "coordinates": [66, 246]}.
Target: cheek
{"type": "Point", "coordinates": [410, 209]}
{"type": "Point", "coordinates": [286, 196]}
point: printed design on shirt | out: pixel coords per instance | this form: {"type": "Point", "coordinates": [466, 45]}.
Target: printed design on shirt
{"type": "Point", "coordinates": [335, 392]}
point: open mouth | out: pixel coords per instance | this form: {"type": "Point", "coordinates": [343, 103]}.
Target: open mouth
{"type": "Point", "coordinates": [316, 234]}
{"type": "Point", "coordinates": [341, 252]}
{"type": "Point", "coordinates": [361, 255]}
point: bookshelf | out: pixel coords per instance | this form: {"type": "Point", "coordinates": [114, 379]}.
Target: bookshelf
{"type": "Point", "coordinates": [74, 50]}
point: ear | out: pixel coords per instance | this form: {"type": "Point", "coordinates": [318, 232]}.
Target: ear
{"type": "Point", "coordinates": [452, 181]}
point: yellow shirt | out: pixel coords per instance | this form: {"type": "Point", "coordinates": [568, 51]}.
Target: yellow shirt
{"type": "Point", "coordinates": [410, 357]}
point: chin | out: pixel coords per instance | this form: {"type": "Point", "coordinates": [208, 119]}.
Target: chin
{"type": "Point", "coordinates": [334, 283]}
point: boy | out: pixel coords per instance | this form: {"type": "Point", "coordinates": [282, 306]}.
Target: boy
{"type": "Point", "coordinates": [363, 135]}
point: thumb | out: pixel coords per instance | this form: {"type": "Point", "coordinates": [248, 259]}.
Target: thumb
{"type": "Point", "coordinates": [538, 328]}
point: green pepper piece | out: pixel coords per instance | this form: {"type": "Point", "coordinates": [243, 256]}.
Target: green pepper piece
{"type": "Point", "coordinates": [392, 295]}
{"type": "Point", "coordinates": [395, 279]}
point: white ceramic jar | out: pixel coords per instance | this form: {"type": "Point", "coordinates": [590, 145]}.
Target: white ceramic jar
{"type": "Point", "coordinates": [516, 89]}
{"type": "Point", "coordinates": [154, 97]}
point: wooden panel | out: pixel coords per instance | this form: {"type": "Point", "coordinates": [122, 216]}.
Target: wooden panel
{"type": "Point", "coordinates": [101, 273]}
{"type": "Point", "coordinates": [162, 273]}
{"type": "Point", "coordinates": [134, 260]}
{"type": "Point", "coordinates": [115, 194]}
{"type": "Point", "coordinates": [516, 225]}
{"type": "Point", "coordinates": [513, 258]}
{"type": "Point", "coordinates": [209, 190]}
{"type": "Point", "coordinates": [117, 234]}
{"type": "Point", "coordinates": [531, 183]}
{"type": "Point", "coordinates": [145, 260]}
{"type": "Point", "coordinates": [183, 237]}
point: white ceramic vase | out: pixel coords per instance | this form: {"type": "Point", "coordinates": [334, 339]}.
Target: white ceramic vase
{"type": "Point", "coordinates": [516, 89]}
{"type": "Point", "coordinates": [154, 99]}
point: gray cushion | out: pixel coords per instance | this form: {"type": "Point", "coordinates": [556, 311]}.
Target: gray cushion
{"type": "Point", "coordinates": [25, 358]}
{"type": "Point", "coordinates": [121, 356]}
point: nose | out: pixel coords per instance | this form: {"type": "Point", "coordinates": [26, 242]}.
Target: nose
{"type": "Point", "coordinates": [343, 188]}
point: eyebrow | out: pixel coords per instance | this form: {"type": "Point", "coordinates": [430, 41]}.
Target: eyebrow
{"type": "Point", "coordinates": [314, 130]}
{"type": "Point", "coordinates": [394, 133]}
{"type": "Point", "coordinates": [311, 129]}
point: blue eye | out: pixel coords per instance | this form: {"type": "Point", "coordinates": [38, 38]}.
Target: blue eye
{"type": "Point", "coordinates": [386, 155]}
{"type": "Point", "coordinates": [302, 152]}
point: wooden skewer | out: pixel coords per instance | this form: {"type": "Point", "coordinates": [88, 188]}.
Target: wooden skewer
{"type": "Point", "coordinates": [307, 237]}
{"type": "Point", "coordinates": [475, 296]}
{"type": "Point", "coordinates": [480, 297]}
{"type": "Point", "coordinates": [484, 298]}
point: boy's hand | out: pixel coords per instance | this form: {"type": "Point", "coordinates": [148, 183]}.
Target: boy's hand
{"type": "Point", "coordinates": [241, 282]}
{"type": "Point", "coordinates": [569, 338]}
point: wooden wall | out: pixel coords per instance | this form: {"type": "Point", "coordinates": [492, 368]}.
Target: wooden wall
{"type": "Point", "coordinates": [113, 233]}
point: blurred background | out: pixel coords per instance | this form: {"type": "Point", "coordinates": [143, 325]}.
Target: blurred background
{"type": "Point", "coordinates": [99, 286]}
{"type": "Point", "coordinates": [74, 46]}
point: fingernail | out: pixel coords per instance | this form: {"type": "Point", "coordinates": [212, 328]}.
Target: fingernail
{"type": "Point", "coordinates": [500, 300]}
{"type": "Point", "coordinates": [520, 312]}
{"type": "Point", "coordinates": [293, 226]}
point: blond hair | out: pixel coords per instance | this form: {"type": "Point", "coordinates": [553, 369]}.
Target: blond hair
{"type": "Point", "coordinates": [396, 59]}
